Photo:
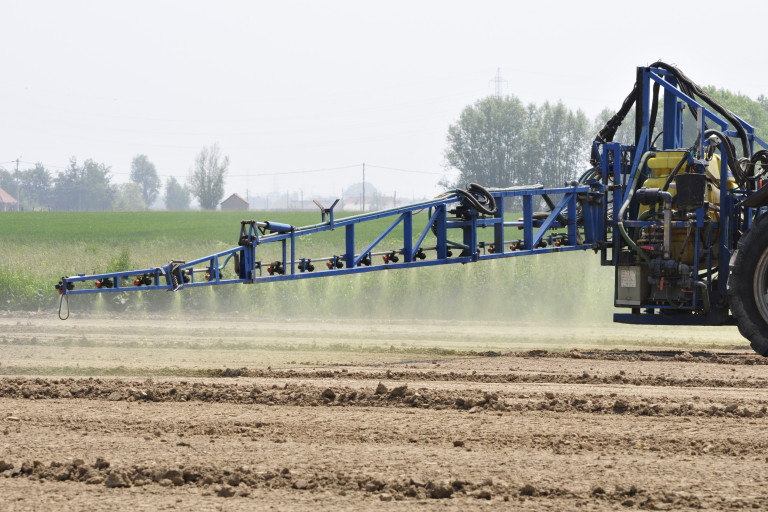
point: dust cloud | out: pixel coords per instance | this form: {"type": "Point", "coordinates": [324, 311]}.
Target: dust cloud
{"type": "Point", "coordinates": [570, 288]}
{"type": "Point", "coordinates": [554, 301]}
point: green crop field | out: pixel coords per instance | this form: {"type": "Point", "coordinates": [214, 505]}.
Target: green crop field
{"type": "Point", "coordinates": [43, 246]}
{"type": "Point", "coordinates": [37, 248]}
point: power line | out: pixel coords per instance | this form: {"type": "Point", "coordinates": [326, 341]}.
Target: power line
{"type": "Point", "coordinates": [260, 174]}
{"type": "Point", "coordinates": [308, 171]}
{"type": "Point", "coordinates": [46, 166]}
{"type": "Point", "coordinates": [410, 171]}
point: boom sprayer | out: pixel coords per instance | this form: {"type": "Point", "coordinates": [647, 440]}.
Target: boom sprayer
{"type": "Point", "coordinates": [680, 214]}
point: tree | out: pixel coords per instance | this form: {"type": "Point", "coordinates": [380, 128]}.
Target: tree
{"type": "Point", "coordinates": [486, 143]}
{"type": "Point", "coordinates": [531, 149]}
{"type": "Point", "coordinates": [98, 191]}
{"type": "Point", "coordinates": [83, 187]}
{"type": "Point", "coordinates": [498, 142]}
{"type": "Point", "coordinates": [7, 182]}
{"type": "Point", "coordinates": [144, 174]}
{"type": "Point", "coordinates": [564, 137]}
{"type": "Point", "coordinates": [176, 195]}
{"type": "Point", "coordinates": [36, 186]}
{"type": "Point", "coordinates": [128, 197]}
{"type": "Point", "coordinates": [763, 101]}
{"type": "Point", "coordinates": [753, 112]}
{"type": "Point", "coordinates": [66, 188]}
{"type": "Point", "coordinates": [206, 178]}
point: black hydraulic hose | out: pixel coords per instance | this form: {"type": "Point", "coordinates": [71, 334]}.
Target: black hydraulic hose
{"type": "Point", "coordinates": [688, 87]}
{"type": "Point", "coordinates": [653, 142]}
{"type": "Point", "coordinates": [64, 297]}
{"type": "Point", "coordinates": [488, 199]}
{"type": "Point", "coordinates": [760, 157]}
{"type": "Point", "coordinates": [681, 77]}
{"type": "Point", "coordinates": [486, 204]}
{"type": "Point", "coordinates": [609, 130]}
{"type": "Point", "coordinates": [675, 171]}
{"type": "Point", "coordinates": [654, 110]}
{"type": "Point", "coordinates": [725, 144]}
{"type": "Point", "coordinates": [727, 141]}
{"type": "Point", "coordinates": [726, 147]}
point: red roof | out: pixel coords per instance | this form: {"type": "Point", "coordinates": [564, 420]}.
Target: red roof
{"type": "Point", "coordinates": [230, 197]}
{"type": "Point", "coordinates": [5, 197]}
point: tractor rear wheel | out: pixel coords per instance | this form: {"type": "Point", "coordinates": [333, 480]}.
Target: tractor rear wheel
{"type": "Point", "coordinates": [748, 285]}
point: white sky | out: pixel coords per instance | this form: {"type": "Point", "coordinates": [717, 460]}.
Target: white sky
{"type": "Point", "coordinates": [302, 85]}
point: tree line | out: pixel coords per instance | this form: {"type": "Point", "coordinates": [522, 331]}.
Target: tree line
{"type": "Point", "coordinates": [87, 186]}
{"type": "Point", "coordinates": [496, 142]}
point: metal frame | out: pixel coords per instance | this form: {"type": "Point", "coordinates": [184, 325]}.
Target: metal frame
{"type": "Point", "coordinates": [539, 236]}
{"type": "Point", "coordinates": [731, 212]}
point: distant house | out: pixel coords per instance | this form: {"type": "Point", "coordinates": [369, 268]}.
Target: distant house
{"type": "Point", "coordinates": [235, 203]}
{"type": "Point", "coordinates": [7, 202]}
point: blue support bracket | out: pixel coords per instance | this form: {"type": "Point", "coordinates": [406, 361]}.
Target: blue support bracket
{"type": "Point", "coordinates": [426, 230]}
{"type": "Point", "coordinates": [528, 222]}
{"type": "Point", "coordinates": [378, 239]}
{"type": "Point", "coordinates": [349, 256]}
{"type": "Point", "coordinates": [408, 236]}
{"type": "Point", "coordinates": [326, 212]}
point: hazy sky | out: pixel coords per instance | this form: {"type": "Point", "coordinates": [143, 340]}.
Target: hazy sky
{"type": "Point", "coordinates": [285, 87]}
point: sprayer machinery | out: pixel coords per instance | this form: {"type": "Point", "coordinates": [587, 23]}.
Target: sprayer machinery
{"type": "Point", "coordinates": [679, 213]}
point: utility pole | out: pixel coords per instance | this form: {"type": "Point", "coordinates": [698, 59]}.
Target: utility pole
{"type": "Point", "coordinates": [18, 187]}
{"type": "Point", "coordinates": [363, 186]}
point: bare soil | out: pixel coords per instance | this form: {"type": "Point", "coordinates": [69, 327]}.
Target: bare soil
{"type": "Point", "coordinates": [407, 429]}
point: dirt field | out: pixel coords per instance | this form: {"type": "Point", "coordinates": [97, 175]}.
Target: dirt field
{"type": "Point", "coordinates": [177, 415]}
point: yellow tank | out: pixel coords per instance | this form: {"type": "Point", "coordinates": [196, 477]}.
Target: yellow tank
{"type": "Point", "coordinates": [660, 168]}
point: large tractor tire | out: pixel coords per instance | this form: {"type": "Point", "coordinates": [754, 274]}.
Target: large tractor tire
{"type": "Point", "coordinates": [748, 285]}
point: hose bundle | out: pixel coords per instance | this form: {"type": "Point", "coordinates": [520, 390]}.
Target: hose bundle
{"type": "Point", "coordinates": [477, 196]}
{"type": "Point", "coordinates": [692, 90]}
{"type": "Point", "coordinates": [760, 157]}
{"type": "Point", "coordinates": [480, 199]}
{"type": "Point", "coordinates": [609, 130]}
